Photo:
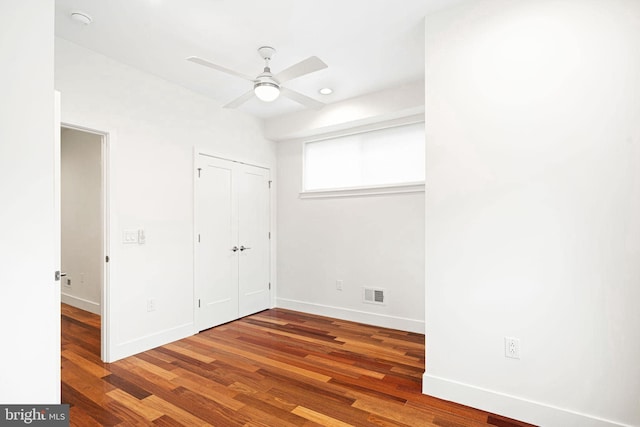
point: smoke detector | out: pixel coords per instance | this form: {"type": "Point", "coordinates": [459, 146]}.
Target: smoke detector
{"type": "Point", "coordinates": [81, 17]}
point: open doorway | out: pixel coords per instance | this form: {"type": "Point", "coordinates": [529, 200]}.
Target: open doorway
{"type": "Point", "coordinates": [84, 225]}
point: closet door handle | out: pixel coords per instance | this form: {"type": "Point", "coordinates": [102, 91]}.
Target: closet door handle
{"type": "Point", "coordinates": [242, 248]}
{"type": "Point", "coordinates": [234, 249]}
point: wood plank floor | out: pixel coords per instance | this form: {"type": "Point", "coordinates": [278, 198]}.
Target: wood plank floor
{"type": "Point", "coordinates": [275, 368]}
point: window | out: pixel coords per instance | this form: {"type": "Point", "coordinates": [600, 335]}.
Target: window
{"type": "Point", "coordinates": [389, 157]}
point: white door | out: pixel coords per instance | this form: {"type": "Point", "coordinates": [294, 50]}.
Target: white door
{"type": "Point", "coordinates": [216, 246]}
{"type": "Point", "coordinates": [57, 232]}
{"type": "Point", "coordinates": [232, 241]}
{"type": "Point", "coordinates": [253, 237]}
{"type": "Point", "coordinates": [57, 227]}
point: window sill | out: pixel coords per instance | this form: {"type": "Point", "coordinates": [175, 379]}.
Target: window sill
{"type": "Point", "coordinates": [364, 191]}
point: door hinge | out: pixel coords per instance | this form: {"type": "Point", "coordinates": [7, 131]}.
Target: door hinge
{"type": "Point", "coordinates": [106, 258]}
{"type": "Point", "coordinates": [270, 184]}
{"type": "Point", "coordinates": [269, 235]}
{"type": "Point", "coordinates": [198, 238]}
{"type": "Point", "coordinates": [269, 285]}
{"type": "Point", "coordinates": [199, 170]}
{"type": "Point", "coordinates": [198, 303]}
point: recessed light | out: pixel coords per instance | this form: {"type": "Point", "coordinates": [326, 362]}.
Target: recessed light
{"type": "Point", "coordinates": [326, 91]}
{"type": "Point", "coordinates": [81, 17]}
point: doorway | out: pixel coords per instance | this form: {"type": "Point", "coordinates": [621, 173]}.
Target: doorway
{"type": "Point", "coordinates": [84, 222]}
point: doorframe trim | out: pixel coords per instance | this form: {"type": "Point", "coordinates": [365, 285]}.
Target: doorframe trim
{"type": "Point", "coordinates": [107, 142]}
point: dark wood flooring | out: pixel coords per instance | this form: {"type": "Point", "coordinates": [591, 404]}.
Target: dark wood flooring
{"type": "Point", "coordinates": [275, 368]}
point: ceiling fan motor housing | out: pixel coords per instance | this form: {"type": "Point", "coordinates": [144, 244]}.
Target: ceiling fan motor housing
{"type": "Point", "coordinates": [266, 79]}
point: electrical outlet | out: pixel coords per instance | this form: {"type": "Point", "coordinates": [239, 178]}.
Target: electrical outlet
{"type": "Point", "coordinates": [512, 347]}
{"type": "Point", "coordinates": [151, 304]}
{"type": "Point", "coordinates": [339, 285]}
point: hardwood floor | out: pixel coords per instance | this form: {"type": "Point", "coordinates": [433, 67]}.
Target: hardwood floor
{"type": "Point", "coordinates": [275, 368]}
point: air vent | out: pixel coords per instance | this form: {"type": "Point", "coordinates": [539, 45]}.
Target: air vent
{"type": "Point", "coordinates": [373, 296]}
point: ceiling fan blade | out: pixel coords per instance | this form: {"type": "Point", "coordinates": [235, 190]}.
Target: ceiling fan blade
{"type": "Point", "coordinates": [301, 99]}
{"type": "Point", "coordinates": [206, 63]}
{"type": "Point", "coordinates": [239, 101]}
{"type": "Point", "coordinates": [307, 66]}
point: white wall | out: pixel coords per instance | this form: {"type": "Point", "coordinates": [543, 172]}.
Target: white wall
{"type": "Point", "coordinates": [373, 241]}
{"type": "Point", "coordinates": [81, 213]}
{"type": "Point", "coordinates": [153, 126]}
{"type": "Point", "coordinates": [533, 200]}
{"type": "Point", "coordinates": [29, 297]}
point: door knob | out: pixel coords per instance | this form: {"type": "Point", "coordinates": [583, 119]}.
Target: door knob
{"type": "Point", "coordinates": [242, 248]}
{"type": "Point", "coordinates": [234, 249]}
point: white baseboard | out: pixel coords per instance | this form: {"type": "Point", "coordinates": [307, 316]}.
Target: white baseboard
{"type": "Point", "coordinates": [510, 406]}
{"type": "Point", "coordinates": [385, 321]}
{"type": "Point", "coordinates": [81, 303]}
{"type": "Point", "coordinates": [138, 345]}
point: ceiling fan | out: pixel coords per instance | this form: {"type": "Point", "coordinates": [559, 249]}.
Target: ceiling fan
{"type": "Point", "coordinates": [267, 86]}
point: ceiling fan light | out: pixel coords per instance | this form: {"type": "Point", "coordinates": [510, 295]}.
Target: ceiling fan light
{"type": "Point", "coordinates": [266, 91]}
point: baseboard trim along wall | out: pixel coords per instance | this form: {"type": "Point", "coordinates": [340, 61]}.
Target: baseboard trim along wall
{"type": "Point", "coordinates": [81, 303]}
{"type": "Point", "coordinates": [138, 345]}
{"type": "Point", "coordinates": [510, 406]}
{"type": "Point", "coordinates": [382, 320]}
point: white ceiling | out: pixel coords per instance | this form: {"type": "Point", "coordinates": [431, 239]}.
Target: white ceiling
{"type": "Point", "coordinates": [369, 45]}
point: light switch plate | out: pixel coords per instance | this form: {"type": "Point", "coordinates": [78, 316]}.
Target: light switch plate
{"type": "Point", "coordinates": [130, 236]}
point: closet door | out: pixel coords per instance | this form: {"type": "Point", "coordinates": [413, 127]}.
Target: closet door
{"type": "Point", "coordinates": [216, 273]}
{"type": "Point", "coordinates": [232, 241]}
{"type": "Point", "coordinates": [253, 237]}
